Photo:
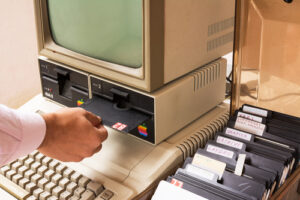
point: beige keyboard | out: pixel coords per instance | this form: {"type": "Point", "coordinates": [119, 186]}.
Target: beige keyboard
{"type": "Point", "coordinates": [37, 176]}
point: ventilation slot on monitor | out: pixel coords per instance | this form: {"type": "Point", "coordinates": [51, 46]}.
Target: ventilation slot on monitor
{"type": "Point", "coordinates": [220, 26]}
{"type": "Point", "coordinates": [206, 75]}
{"type": "Point", "coordinates": [220, 41]}
{"type": "Point", "coordinates": [199, 138]}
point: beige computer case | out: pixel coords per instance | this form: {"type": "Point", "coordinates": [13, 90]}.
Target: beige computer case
{"type": "Point", "coordinates": [179, 37]}
{"type": "Point", "coordinates": [267, 63]}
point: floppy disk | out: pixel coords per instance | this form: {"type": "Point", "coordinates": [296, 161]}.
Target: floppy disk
{"type": "Point", "coordinates": [264, 137]}
{"type": "Point", "coordinates": [231, 180]}
{"type": "Point", "coordinates": [273, 126]}
{"type": "Point", "coordinates": [268, 150]}
{"type": "Point", "coordinates": [253, 159]}
{"type": "Point", "coordinates": [229, 157]}
{"type": "Point", "coordinates": [269, 114]}
{"type": "Point", "coordinates": [166, 190]}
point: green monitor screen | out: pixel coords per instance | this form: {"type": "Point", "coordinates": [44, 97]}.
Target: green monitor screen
{"type": "Point", "coordinates": [108, 30]}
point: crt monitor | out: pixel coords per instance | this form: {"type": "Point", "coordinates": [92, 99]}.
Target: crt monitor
{"type": "Point", "coordinates": [143, 44]}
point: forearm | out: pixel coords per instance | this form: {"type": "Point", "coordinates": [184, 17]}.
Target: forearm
{"type": "Point", "coordinates": [20, 133]}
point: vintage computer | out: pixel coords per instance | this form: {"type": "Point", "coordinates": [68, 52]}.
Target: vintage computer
{"type": "Point", "coordinates": [149, 68]}
{"type": "Point", "coordinates": [139, 58]}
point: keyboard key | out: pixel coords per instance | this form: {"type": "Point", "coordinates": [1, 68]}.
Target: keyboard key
{"type": "Point", "coordinates": [83, 181]}
{"type": "Point", "coordinates": [28, 162]}
{"type": "Point", "coordinates": [39, 157]}
{"type": "Point", "coordinates": [35, 166]}
{"type": "Point", "coordinates": [65, 195]}
{"type": "Point", "coordinates": [16, 166]}
{"type": "Point", "coordinates": [49, 174]}
{"type": "Point", "coordinates": [33, 154]}
{"type": "Point", "coordinates": [74, 198]}
{"type": "Point", "coordinates": [46, 161]}
{"type": "Point", "coordinates": [42, 183]}
{"type": "Point", "coordinates": [60, 168]}
{"type": "Point", "coordinates": [4, 170]}
{"type": "Point", "coordinates": [35, 178]}
{"type": "Point", "coordinates": [87, 195]}
{"type": "Point", "coordinates": [57, 191]}
{"type": "Point", "coordinates": [10, 174]}
{"type": "Point", "coordinates": [29, 174]}
{"type": "Point", "coordinates": [16, 178]}
{"type": "Point", "coordinates": [44, 195]}
{"type": "Point", "coordinates": [30, 187]}
{"type": "Point", "coordinates": [75, 177]}
{"type": "Point", "coordinates": [56, 178]}
{"type": "Point", "coordinates": [22, 159]}
{"type": "Point", "coordinates": [41, 171]}
{"type": "Point", "coordinates": [22, 170]}
{"type": "Point", "coordinates": [97, 188]}
{"type": "Point", "coordinates": [37, 192]}
{"type": "Point", "coordinates": [71, 187]}
{"type": "Point", "coordinates": [32, 198]}
{"type": "Point", "coordinates": [49, 187]}
{"type": "Point", "coordinates": [79, 191]}
{"type": "Point", "coordinates": [106, 195]}
{"type": "Point", "coordinates": [23, 182]}
{"type": "Point", "coordinates": [53, 164]}
{"type": "Point", "coordinates": [64, 182]}
{"type": "Point", "coordinates": [52, 198]}
{"type": "Point", "coordinates": [68, 172]}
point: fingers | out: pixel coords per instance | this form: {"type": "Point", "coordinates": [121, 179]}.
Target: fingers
{"type": "Point", "coordinates": [98, 149]}
{"type": "Point", "coordinates": [102, 133]}
{"type": "Point", "coordinates": [95, 120]}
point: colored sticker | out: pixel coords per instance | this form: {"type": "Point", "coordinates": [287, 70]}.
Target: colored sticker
{"type": "Point", "coordinates": [143, 130]}
{"type": "Point", "coordinates": [80, 102]}
{"type": "Point", "coordinates": [119, 126]}
{"type": "Point", "coordinates": [177, 183]}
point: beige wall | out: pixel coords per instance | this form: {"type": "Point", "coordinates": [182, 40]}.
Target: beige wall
{"type": "Point", "coordinates": [19, 80]}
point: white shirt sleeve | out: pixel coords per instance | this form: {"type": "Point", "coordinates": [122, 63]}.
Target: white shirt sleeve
{"type": "Point", "coordinates": [20, 133]}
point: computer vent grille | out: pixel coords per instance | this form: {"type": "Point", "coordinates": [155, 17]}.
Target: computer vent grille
{"type": "Point", "coordinates": [220, 26]}
{"type": "Point", "coordinates": [206, 75]}
{"type": "Point", "coordinates": [219, 41]}
{"type": "Point", "coordinates": [199, 138]}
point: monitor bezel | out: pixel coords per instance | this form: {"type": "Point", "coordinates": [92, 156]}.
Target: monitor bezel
{"type": "Point", "coordinates": [139, 78]}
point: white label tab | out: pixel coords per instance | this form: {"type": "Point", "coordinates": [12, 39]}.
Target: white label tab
{"type": "Point", "coordinates": [251, 117]}
{"type": "Point", "coordinates": [255, 111]}
{"type": "Point", "coordinates": [238, 134]}
{"type": "Point", "coordinates": [209, 164]}
{"type": "Point", "coordinates": [240, 165]}
{"type": "Point", "coordinates": [219, 151]}
{"type": "Point", "coordinates": [196, 171]}
{"type": "Point", "coordinates": [229, 142]}
{"type": "Point", "coordinates": [249, 126]}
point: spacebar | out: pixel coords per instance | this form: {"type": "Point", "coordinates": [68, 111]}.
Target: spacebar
{"type": "Point", "coordinates": [12, 188]}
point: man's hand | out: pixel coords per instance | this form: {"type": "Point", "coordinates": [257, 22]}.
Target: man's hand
{"type": "Point", "coordinates": [72, 134]}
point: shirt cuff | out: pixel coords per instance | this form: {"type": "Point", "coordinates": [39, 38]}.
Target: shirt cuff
{"type": "Point", "coordinates": [33, 132]}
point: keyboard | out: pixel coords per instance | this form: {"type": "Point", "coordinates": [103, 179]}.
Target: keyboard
{"type": "Point", "coordinates": [37, 176]}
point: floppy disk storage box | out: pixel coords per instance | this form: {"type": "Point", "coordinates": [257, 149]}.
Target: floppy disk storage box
{"type": "Point", "coordinates": [267, 64]}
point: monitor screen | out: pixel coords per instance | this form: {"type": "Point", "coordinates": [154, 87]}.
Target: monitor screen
{"type": "Point", "coordinates": [108, 30]}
